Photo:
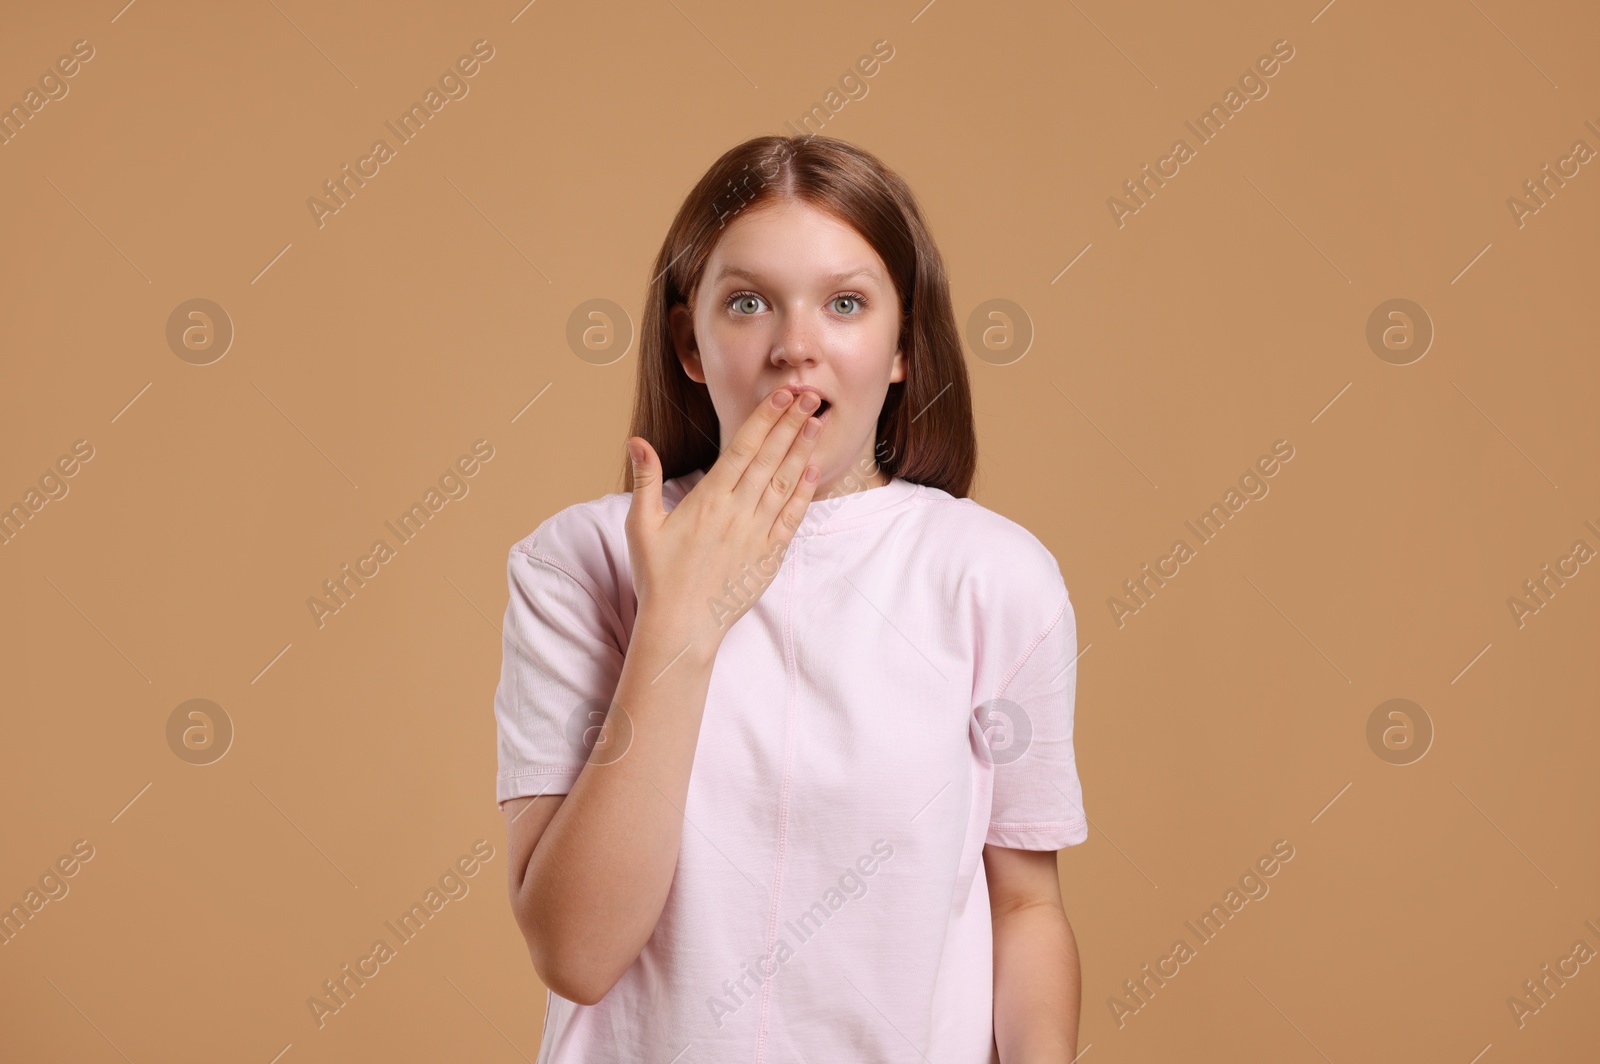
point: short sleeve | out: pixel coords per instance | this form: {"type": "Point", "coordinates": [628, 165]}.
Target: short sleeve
{"type": "Point", "coordinates": [560, 662]}
{"type": "Point", "coordinates": [1037, 799]}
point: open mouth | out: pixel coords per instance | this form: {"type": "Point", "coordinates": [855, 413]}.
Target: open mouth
{"type": "Point", "coordinates": [824, 406]}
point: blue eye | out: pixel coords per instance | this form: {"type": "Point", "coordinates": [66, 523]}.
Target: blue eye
{"type": "Point", "coordinates": [736, 298]}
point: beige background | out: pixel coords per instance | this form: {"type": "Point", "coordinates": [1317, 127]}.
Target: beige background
{"type": "Point", "coordinates": [1228, 313]}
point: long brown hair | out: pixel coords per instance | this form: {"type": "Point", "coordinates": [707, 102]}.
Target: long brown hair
{"type": "Point", "coordinates": [925, 431]}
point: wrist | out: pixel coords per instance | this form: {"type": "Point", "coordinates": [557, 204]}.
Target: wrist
{"type": "Point", "coordinates": [677, 634]}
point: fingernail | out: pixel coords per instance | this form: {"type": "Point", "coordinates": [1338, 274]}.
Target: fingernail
{"type": "Point", "coordinates": [782, 397]}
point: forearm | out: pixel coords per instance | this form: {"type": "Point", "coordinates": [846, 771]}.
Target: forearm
{"type": "Point", "coordinates": [598, 879]}
{"type": "Point", "coordinates": [1037, 986]}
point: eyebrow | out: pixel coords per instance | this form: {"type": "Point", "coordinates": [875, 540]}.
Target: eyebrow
{"type": "Point", "coordinates": [833, 278]}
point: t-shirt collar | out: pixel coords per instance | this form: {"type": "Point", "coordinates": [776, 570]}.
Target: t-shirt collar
{"type": "Point", "coordinates": [827, 514]}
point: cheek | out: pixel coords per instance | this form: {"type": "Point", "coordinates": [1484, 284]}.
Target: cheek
{"type": "Point", "coordinates": [730, 357]}
{"type": "Point", "coordinates": [867, 351]}
{"type": "Point", "coordinates": [862, 366]}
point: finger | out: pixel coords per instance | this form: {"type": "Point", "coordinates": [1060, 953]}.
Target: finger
{"type": "Point", "coordinates": [742, 449]}
{"type": "Point", "coordinates": [644, 509]}
{"type": "Point", "coordinates": [756, 482]}
{"type": "Point", "coordinates": [794, 511]}
{"type": "Point", "coordinates": [786, 478]}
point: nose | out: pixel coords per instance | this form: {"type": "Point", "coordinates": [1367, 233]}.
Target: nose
{"type": "Point", "coordinates": [794, 344]}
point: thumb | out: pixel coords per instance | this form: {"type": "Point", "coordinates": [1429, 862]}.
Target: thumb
{"type": "Point", "coordinates": [646, 505]}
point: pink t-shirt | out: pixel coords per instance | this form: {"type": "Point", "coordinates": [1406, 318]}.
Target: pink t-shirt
{"type": "Point", "coordinates": [900, 695]}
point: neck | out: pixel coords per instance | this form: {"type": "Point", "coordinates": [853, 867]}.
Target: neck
{"type": "Point", "coordinates": [862, 476]}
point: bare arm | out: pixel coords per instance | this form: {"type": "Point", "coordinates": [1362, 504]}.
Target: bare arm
{"type": "Point", "coordinates": [1037, 984]}
{"type": "Point", "coordinates": [590, 869]}
{"type": "Point", "coordinates": [590, 872]}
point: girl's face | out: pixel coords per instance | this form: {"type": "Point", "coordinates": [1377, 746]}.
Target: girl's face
{"type": "Point", "coordinates": [793, 296]}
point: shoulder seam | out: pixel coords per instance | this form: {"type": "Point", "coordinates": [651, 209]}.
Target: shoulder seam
{"type": "Point", "coordinates": [579, 578]}
{"type": "Point", "coordinates": [1055, 619]}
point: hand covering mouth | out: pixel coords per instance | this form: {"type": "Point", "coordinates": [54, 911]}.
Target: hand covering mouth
{"type": "Point", "coordinates": [823, 405]}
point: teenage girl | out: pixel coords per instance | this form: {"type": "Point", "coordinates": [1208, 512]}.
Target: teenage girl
{"type": "Point", "coordinates": [785, 727]}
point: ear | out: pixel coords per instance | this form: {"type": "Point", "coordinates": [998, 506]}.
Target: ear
{"type": "Point", "coordinates": [680, 319]}
{"type": "Point", "coordinates": [897, 372]}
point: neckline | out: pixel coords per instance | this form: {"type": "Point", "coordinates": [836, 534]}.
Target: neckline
{"type": "Point", "coordinates": [830, 514]}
